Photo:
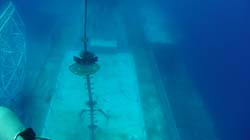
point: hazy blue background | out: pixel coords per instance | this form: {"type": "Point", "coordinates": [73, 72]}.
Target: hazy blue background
{"type": "Point", "coordinates": [217, 52]}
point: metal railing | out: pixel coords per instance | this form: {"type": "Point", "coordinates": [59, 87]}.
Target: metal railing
{"type": "Point", "coordinates": [12, 53]}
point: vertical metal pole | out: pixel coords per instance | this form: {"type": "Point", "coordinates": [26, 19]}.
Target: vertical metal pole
{"type": "Point", "coordinates": [85, 24]}
{"type": "Point", "coordinates": [91, 104]}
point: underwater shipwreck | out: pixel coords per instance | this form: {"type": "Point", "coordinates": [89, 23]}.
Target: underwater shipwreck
{"type": "Point", "coordinates": [91, 75]}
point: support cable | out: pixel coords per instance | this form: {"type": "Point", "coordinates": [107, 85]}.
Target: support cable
{"type": "Point", "coordinates": [85, 38]}
{"type": "Point", "coordinates": [86, 65]}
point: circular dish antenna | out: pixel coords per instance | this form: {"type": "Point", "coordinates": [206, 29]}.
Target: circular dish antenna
{"type": "Point", "coordinates": [84, 70]}
{"type": "Point", "coordinates": [85, 64]}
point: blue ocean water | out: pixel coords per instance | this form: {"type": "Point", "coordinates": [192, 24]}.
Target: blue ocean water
{"type": "Point", "coordinates": [216, 49]}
